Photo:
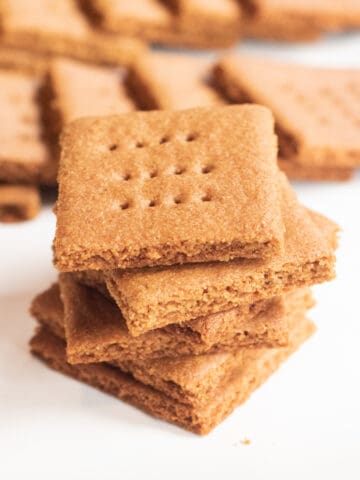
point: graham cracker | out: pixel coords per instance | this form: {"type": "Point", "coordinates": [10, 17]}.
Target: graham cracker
{"type": "Point", "coordinates": [196, 393]}
{"type": "Point", "coordinates": [22, 61]}
{"type": "Point", "coordinates": [297, 171]}
{"type": "Point", "coordinates": [96, 330]}
{"type": "Point", "coordinates": [18, 203]}
{"type": "Point", "coordinates": [167, 81]}
{"type": "Point", "coordinates": [147, 19]}
{"type": "Point", "coordinates": [57, 27]}
{"type": "Point", "coordinates": [168, 187]}
{"type": "Point", "coordinates": [298, 20]}
{"type": "Point", "coordinates": [24, 157]}
{"type": "Point", "coordinates": [78, 90]}
{"type": "Point", "coordinates": [317, 111]}
{"type": "Point", "coordinates": [205, 23]}
{"type": "Point", "coordinates": [153, 298]}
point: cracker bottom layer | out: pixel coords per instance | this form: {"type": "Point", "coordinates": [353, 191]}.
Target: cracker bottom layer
{"type": "Point", "coordinates": [52, 350]}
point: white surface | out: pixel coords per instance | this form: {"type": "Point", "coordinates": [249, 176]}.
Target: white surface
{"type": "Point", "coordinates": [304, 423]}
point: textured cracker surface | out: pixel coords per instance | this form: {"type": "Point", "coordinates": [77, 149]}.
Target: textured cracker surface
{"type": "Point", "coordinates": [96, 331]}
{"type": "Point", "coordinates": [168, 187]}
{"type": "Point", "coordinates": [296, 20]}
{"type": "Point", "coordinates": [153, 298]}
{"type": "Point", "coordinates": [167, 81]}
{"type": "Point", "coordinates": [317, 110]}
{"type": "Point", "coordinates": [83, 90]}
{"type": "Point", "coordinates": [18, 203]}
{"type": "Point", "coordinates": [298, 171]}
{"type": "Point", "coordinates": [58, 27]}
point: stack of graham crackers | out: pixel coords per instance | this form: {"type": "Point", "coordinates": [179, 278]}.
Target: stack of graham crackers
{"type": "Point", "coordinates": [186, 261]}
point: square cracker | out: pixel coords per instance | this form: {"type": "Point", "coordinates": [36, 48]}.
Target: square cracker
{"type": "Point", "coordinates": [153, 298]}
{"type": "Point", "coordinates": [206, 23]}
{"type": "Point", "coordinates": [96, 330]}
{"type": "Point", "coordinates": [317, 110]}
{"type": "Point", "coordinates": [18, 203]}
{"type": "Point", "coordinates": [161, 81]}
{"type": "Point", "coordinates": [78, 90]}
{"type": "Point", "coordinates": [196, 393]}
{"type": "Point", "coordinates": [57, 27]}
{"type": "Point", "coordinates": [168, 187]}
{"type": "Point", "coordinates": [297, 171]}
{"type": "Point", "coordinates": [295, 20]}
{"type": "Point", "coordinates": [24, 157]}
{"type": "Point", "coordinates": [147, 19]}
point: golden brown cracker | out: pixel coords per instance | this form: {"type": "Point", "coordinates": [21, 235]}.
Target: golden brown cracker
{"type": "Point", "coordinates": [317, 110]}
{"type": "Point", "coordinates": [228, 382]}
{"type": "Point", "coordinates": [168, 187]}
{"type": "Point", "coordinates": [172, 82]}
{"type": "Point", "coordinates": [18, 203]}
{"type": "Point", "coordinates": [153, 298]}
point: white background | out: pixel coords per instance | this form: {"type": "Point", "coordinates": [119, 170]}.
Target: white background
{"type": "Point", "coordinates": [304, 423]}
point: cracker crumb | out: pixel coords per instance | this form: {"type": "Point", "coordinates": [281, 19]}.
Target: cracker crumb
{"type": "Point", "coordinates": [246, 441]}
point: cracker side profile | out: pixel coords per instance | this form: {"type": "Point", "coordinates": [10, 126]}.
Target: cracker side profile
{"type": "Point", "coordinates": [232, 380]}
{"type": "Point", "coordinates": [298, 20]}
{"type": "Point", "coordinates": [57, 27]}
{"type": "Point", "coordinates": [96, 330]}
{"type": "Point", "coordinates": [18, 203]}
{"type": "Point", "coordinates": [168, 187]}
{"type": "Point", "coordinates": [153, 298]}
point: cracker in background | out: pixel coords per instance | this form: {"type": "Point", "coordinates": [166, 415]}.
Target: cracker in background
{"type": "Point", "coordinates": [18, 203]}
{"type": "Point", "coordinates": [168, 81]}
{"type": "Point", "coordinates": [196, 393]}
{"type": "Point", "coordinates": [168, 187]}
{"type": "Point", "coordinates": [317, 111]}
{"type": "Point", "coordinates": [297, 171]}
{"type": "Point", "coordinates": [57, 27]}
{"type": "Point", "coordinates": [23, 61]}
{"type": "Point", "coordinates": [77, 90]}
{"type": "Point", "coordinates": [153, 298]}
{"type": "Point", "coordinates": [205, 23]}
{"type": "Point", "coordinates": [296, 20]}
{"type": "Point", "coordinates": [147, 19]}
{"type": "Point", "coordinates": [24, 157]}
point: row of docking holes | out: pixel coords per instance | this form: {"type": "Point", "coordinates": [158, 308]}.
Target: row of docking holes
{"type": "Point", "coordinates": [190, 137]}
{"type": "Point", "coordinates": [205, 197]}
{"type": "Point", "coordinates": [203, 170]}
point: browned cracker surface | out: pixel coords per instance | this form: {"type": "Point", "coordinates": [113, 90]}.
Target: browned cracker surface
{"type": "Point", "coordinates": [172, 81]}
{"type": "Point", "coordinates": [204, 23]}
{"type": "Point", "coordinates": [295, 20]}
{"type": "Point", "coordinates": [196, 393]}
{"type": "Point", "coordinates": [194, 23]}
{"type": "Point", "coordinates": [18, 203]}
{"type": "Point", "coordinates": [147, 19]}
{"type": "Point", "coordinates": [317, 111]}
{"type": "Point", "coordinates": [298, 171]}
{"type": "Point", "coordinates": [80, 90]}
{"type": "Point", "coordinates": [22, 61]}
{"type": "Point", "coordinates": [96, 330]}
{"type": "Point", "coordinates": [168, 187]}
{"type": "Point", "coordinates": [23, 156]}
{"type": "Point", "coordinates": [58, 27]}
{"type": "Point", "coordinates": [153, 298]}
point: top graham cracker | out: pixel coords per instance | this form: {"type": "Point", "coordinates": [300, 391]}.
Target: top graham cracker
{"type": "Point", "coordinates": [161, 188]}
